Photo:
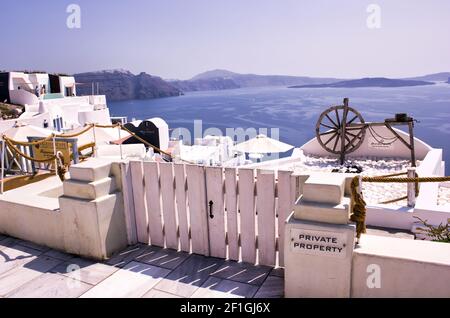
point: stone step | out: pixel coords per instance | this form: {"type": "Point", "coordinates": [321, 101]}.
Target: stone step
{"type": "Point", "coordinates": [90, 170]}
{"type": "Point", "coordinates": [91, 190]}
{"type": "Point", "coordinates": [324, 188]}
{"type": "Point", "coordinates": [323, 212]}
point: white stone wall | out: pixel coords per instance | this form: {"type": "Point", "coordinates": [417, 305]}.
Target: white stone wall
{"type": "Point", "coordinates": [393, 267]}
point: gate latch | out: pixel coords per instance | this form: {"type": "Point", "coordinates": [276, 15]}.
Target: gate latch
{"type": "Point", "coordinates": [211, 215]}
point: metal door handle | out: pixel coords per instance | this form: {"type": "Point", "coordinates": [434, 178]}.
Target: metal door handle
{"type": "Point", "coordinates": [211, 215]}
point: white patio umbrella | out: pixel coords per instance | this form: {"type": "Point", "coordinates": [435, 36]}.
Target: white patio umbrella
{"type": "Point", "coordinates": [21, 132]}
{"type": "Point", "coordinates": [262, 144]}
{"type": "Point", "coordinates": [101, 136]}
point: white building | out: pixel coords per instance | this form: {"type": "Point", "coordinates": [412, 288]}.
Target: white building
{"type": "Point", "coordinates": [50, 101]}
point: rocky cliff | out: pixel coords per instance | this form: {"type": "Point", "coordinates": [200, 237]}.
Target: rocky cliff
{"type": "Point", "coordinates": [205, 84]}
{"type": "Point", "coordinates": [119, 85]}
{"type": "Point", "coordinates": [223, 79]}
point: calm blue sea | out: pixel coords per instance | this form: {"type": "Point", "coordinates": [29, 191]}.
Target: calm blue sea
{"type": "Point", "coordinates": [295, 111]}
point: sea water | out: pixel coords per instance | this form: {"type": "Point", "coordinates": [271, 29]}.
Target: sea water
{"type": "Point", "coordinates": [295, 111]}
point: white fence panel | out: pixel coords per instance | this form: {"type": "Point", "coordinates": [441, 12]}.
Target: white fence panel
{"type": "Point", "coordinates": [152, 194]}
{"type": "Point", "coordinates": [168, 202]}
{"type": "Point", "coordinates": [216, 213]}
{"type": "Point", "coordinates": [140, 206]}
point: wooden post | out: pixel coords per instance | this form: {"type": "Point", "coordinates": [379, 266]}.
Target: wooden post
{"type": "Point", "coordinates": [3, 165]}
{"type": "Point", "coordinates": [411, 142]}
{"type": "Point", "coordinates": [411, 187]}
{"type": "Point", "coordinates": [342, 133]}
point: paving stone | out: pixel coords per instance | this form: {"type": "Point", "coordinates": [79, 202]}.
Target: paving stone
{"type": "Point", "coordinates": [24, 273]}
{"type": "Point", "coordinates": [279, 271]}
{"type": "Point", "coordinates": [59, 255]}
{"type": "Point", "coordinates": [223, 288]}
{"type": "Point", "coordinates": [124, 257]}
{"type": "Point", "coordinates": [8, 242]}
{"type": "Point", "coordinates": [16, 255]}
{"type": "Point", "coordinates": [133, 280]}
{"type": "Point", "coordinates": [166, 258]}
{"type": "Point", "coordinates": [85, 270]}
{"type": "Point", "coordinates": [273, 287]}
{"type": "Point", "coordinates": [243, 272]}
{"type": "Point", "coordinates": [51, 285]}
{"type": "Point", "coordinates": [190, 275]}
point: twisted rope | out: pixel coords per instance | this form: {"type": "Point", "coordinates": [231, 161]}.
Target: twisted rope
{"type": "Point", "coordinates": [359, 205]}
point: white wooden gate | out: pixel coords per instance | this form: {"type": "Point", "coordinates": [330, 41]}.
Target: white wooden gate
{"type": "Point", "coordinates": [231, 213]}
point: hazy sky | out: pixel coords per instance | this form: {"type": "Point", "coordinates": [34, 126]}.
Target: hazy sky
{"type": "Point", "coordinates": [180, 38]}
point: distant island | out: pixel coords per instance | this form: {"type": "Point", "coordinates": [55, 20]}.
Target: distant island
{"type": "Point", "coordinates": [223, 79]}
{"type": "Point", "coordinates": [120, 85]}
{"type": "Point", "coordinates": [368, 82]}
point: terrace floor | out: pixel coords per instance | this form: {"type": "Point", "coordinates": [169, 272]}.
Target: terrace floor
{"type": "Point", "coordinates": [29, 270]}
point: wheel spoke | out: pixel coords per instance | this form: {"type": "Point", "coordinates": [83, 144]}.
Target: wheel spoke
{"type": "Point", "coordinates": [356, 137]}
{"type": "Point", "coordinates": [336, 143]}
{"type": "Point", "coordinates": [350, 142]}
{"type": "Point", "coordinates": [353, 135]}
{"type": "Point", "coordinates": [337, 118]}
{"type": "Point", "coordinates": [331, 120]}
{"type": "Point", "coordinates": [351, 121]}
{"type": "Point", "coordinates": [331, 138]}
{"type": "Point", "coordinates": [328, 132]}
{"type": "Point", "coordinates": [354, 128]}
{"type": "Point", "coordinates": [322, 124]}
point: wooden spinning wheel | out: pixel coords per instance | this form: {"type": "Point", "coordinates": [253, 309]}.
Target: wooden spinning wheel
{"type": "Point", "coordinates": [340, 129]}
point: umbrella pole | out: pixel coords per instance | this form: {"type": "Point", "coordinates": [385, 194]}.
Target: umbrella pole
{"type": "Point", "coordinates": [121, 153]}
{"type": "Point", "coordinates": [95, 142]}
{"type": "Point", "coordinates": [54, 153]}
{"type": "Point", "coordinates": [3, 166]}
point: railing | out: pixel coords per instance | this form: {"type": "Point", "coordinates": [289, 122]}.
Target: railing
{"type": "Point", "coordinates": [231, 213]}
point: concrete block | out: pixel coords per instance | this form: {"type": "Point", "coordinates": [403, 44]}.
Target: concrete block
{"type": "Point", "coordinates": [324, 187]}
{"type": "Point", "coordinates": [91, 190]}
{"type": "Point", "coordinates": [94, 229]}
{"type": "Point", "coordinates": [318, 259]}
{"type": "Point", "coordinates": [322, 212]}
{"type": "Point", "coordinates": [91, 170]}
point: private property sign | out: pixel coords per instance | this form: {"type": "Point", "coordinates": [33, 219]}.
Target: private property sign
{"type": "Point", "coordinates": [320, 243]}
{"type": "Point", "coordinates": [46, 150]}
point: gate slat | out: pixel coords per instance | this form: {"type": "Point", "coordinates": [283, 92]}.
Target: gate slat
{"type": "Point", "coordinates": [183, 219]}
{"type": "Point", "coordinates": [140, 207]}
{"type": "Point", "coordinates": [216, 223]}
{"type": "Point", "coordinates": [168, 201]}
{"type": "Point", "coordinates": [265, 206]}
{"type": "Point", "coordinates": [247, 214]}
{"type": "Point", "coordinates": [232, 217]}
{"type": "Point", "coordinates": [152, 194]}
{"type": "Point", "coordinates": [197, 209]}
{"type": "Point", "coordinates": [127, 190]}
{"type": "Point", "coordinates": [283, 210]}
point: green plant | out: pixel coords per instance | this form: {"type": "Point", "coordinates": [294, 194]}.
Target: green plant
{"type": "Point", "coordinates": [439, 233]}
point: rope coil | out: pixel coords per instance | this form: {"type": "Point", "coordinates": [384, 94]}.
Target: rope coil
{"type": "Point", "coordinates": [359, 205]}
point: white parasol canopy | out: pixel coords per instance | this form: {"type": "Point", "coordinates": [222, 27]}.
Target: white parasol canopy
{"type": "Point", "coordinates": [20, 133]}
{"type": "Point", "coordinates": [103, 136]}
{"type": "Point", "coordinates": [262, 144]}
